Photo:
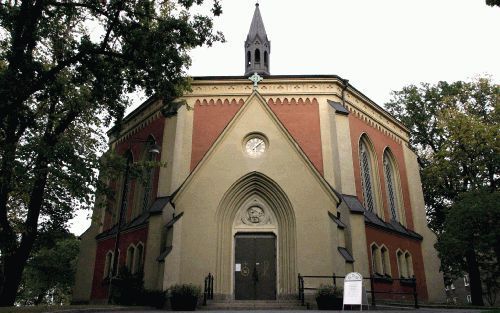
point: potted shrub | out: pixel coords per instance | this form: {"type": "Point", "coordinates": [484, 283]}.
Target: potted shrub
{"type": "Point", "coordinates": [329, 297]}
{"type": "Point", "coordinates": [184, 297]}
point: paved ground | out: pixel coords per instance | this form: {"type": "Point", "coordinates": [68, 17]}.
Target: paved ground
{"type": "Point", "coordinates": [423, 310]}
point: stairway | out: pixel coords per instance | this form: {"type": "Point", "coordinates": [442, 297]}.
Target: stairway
{"type": "Point", "coordinates": [253, 305]}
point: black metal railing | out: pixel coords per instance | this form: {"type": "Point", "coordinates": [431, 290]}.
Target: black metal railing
{"type": "Point", "coordinates": [412, 282]}
{"type": "Point", "coordinates": [208, 290]}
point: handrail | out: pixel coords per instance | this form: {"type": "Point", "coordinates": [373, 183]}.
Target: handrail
{"type": "Point", "coordinates": [411, 281]}
{"type": "Point", "coordinates": [208, 290]}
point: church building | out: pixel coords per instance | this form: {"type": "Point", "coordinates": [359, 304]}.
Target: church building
{"type": "Point", "coordinates": [264, 177]}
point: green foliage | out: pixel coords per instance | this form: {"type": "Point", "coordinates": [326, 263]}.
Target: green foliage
{"type": "Point", "coordinates": [128, 289]}
{"type": "Point", "coordinates": [184, 290]}
{"type": "Point", "coordinates": [493, 2]}
{"type": "Point", "coordinates": [66, 68]}
{"type": "Point", "coordinates": [328, 290]}
{"type": "Point", "coordinates": [454, 131]}
{"type": "Point", "coordinates": [49, 273]}
{"type": "Point", "coordinates": [472, 223]}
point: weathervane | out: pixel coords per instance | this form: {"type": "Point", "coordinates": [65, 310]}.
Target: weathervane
{"type": "Point", "coordinates": [255, 78]}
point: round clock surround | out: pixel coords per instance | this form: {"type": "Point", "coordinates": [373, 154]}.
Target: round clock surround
{"type": "Point", "coordinates": [255, 145]}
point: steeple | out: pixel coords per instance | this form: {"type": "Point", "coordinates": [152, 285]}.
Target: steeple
{"type": "Point", "coordinates": [257, 47]}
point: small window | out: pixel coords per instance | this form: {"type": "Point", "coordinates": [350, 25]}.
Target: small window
{"type": "Point", "coordinates": [409, 264]}
{"type": "Point", "coordinates": [466, 280]}
{"type": "Point", "coordinates": [266, 57]}
{"type": "Point", "coordinates": [386, 264]}
{"type": "Point", "coordinates": [130, 259]}
{"type": "Point", "coordinates": [376, 260]}
{"type": "Point", "coordinates": [108, 264]}
{"type": "Point", "coordinates": [469, 299]}
{"type": "Point", "coordinates": [249, 59]}
{"type": "Point", "coordinates": [139, 256]}
{"type": "Point", "coordinates": [401, 265]}
{"type": "Point", "coordinates": [257, 56]}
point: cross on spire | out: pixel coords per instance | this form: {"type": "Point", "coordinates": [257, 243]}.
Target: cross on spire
{"type": "Point", "coordinates": [256, 79]}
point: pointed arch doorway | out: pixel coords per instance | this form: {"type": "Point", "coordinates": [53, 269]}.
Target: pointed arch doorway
{"type": "Point", "coordinates": [256, 241]}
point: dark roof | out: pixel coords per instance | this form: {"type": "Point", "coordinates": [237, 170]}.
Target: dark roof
{"type": "Point", "coordinates": [257, 28]}
{"type": "Point", "coordinates": [140, 220]}
{"type": "Point", "coordinates": [174, 219]}
{"type": "Point", "coordinates": [163, 254]}
{"type": "Point", "coordinates": [373, 220]}
{"type": "Point", "coordinates": [338, 107]}
{"type": "Point", "coordinates": [337, 221]}
{"type": "Point", "coordinates": [135, 223]}
{"type": "Point", "coordinates": [353, 203]}
{"type": "Point", "coordinates": [346, 254]}
{"type": "Point", "coordinates": [159, 204]}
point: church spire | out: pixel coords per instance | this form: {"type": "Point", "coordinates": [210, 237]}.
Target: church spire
{"type": "Point", "coordinates": [257, 47]}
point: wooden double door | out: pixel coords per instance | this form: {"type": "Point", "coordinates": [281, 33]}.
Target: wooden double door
{"type": "Point", "coordinates": [255, 266]}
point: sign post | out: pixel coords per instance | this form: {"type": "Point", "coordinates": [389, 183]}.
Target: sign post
{"type": "Point", "coordinates": [353, 290]}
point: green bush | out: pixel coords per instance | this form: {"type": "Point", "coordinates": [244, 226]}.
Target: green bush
{"type": "Point", "coordinates": [328, 290]}
{"type": "Point", "coordinates": [154, 298]}
{"type": "Point", "coordinates": [185, 290]}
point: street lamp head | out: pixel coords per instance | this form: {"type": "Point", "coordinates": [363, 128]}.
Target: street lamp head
{"type": "Point", "coordinates": [155, 149]}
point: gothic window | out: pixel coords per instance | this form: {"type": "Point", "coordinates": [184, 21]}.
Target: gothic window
{"type": "Point", "coordinates": [130, 258]}
{"type": "Point", "coordinates": [108, 263]}
{"type": "Point", "coordinates": [144, 185]}
{"type": "Point", "coordinates": [123, 188]}
{"type": "Point", "coordinates": [386, 264]}
{"type": "Point", "coordinates": [376, 260]}
{"type": "Point", "coordinates": [366, 164]}
{"type": "Point", "coordinates": [409, 264]}
{"type": "Point", "coordinates": [249, 59]}
{"type": "Point", "coordinates": [403, 265]}
{"type": "Point", "coordinates": [392, 186]}
{"type": "Point", "coordinates": [266, 57]}
{"type": "Point", "coordinates": [257, 56]}
{"type": "Point", "coordinates": [138, 258]}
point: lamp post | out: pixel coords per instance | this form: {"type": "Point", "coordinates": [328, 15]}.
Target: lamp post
{"type": "Point", "coordinates": [155, 150]}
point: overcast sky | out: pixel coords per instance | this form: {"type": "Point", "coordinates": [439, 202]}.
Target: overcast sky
{"type": "Point", "coordinates": [379, 46]}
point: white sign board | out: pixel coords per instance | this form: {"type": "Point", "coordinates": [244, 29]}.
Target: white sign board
{"type": "Point", "coordinates": [353, 289]}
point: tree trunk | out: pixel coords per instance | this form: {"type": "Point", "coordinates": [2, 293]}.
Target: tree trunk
{"type": "Point", "coordinates": [15, 263]}
{"type": "Point", "coordinates": [476, 288]}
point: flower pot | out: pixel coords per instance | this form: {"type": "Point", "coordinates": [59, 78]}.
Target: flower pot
{"type": "Point", "coordinates": [183, 302]}
{"type": "Point", "coordinates": [329, 303]}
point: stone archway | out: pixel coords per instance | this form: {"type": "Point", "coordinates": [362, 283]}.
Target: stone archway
{"type": "Point", "coordinates": [256, 185]}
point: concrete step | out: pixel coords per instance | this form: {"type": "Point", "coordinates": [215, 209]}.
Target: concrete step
{"type": "Point", "coordinates": [253, 305]}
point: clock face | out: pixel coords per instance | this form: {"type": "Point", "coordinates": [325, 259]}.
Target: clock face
{"type": "Point", "coordinates": [255, 147]}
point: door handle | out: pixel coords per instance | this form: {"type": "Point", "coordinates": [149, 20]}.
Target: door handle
{"type": "Point", "coordinates": [255, 274]}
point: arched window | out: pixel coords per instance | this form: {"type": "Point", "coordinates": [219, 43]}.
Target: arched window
{"type": "Point", "coordinates": [401, 264]}
{"type": "Point", "coordinates": [144, 185]}
{"type": "Point", "coordinates": [266, 59]}
{"type": "Point", "coordinates": [386, 263]}
{"type": "Point", "coordinates": [249, 59]}
{"type": "Point", "coordinates": [257, 56]}
{"type": "Point", "coordinates": [108, 263]}
{"type": "Point", "coordinates": [367, 164]}
{"type": "Point", "coordinates": [376, 260]}
{"type": "Point", "coordinates": [123, 187]}
{"type": "Point", "coordinates": [392, 187]}
{"type": "Point", "coordinates": [139, 256]}
{"type": "Point", "coordinates": [409, 264]}
{"type": "Point", "coordinates": [130, 258]}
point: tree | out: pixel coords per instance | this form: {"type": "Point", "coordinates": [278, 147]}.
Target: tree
{"type": "Point", "coordinates": [49, 273]}
{"type": "Point", "coordinates": [493, 2]}
{"type": "Point", "coordinates": [454, 131]}
{"type": "Point", "coordinates": [66, 68]}
{"type": "Point", "coordinates": [470, 241]}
